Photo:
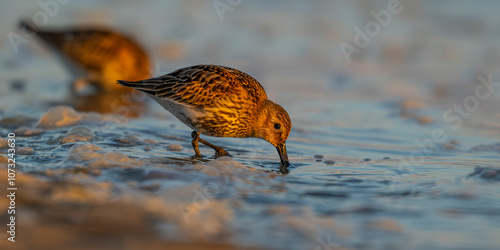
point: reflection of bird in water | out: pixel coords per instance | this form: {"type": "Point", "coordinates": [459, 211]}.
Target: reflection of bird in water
{"type": "Point", "coordinates": [130, 104]}
{"type": "Point", "coordinates": [219, 101]}
{"type": "Point", "coordinates": [98, 55]}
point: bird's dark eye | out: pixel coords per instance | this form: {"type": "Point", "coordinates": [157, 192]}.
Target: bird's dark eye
{"type": "Point", "coordinates": [277, 126]}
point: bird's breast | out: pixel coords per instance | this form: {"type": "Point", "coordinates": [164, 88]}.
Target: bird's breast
{"type": "Point", "coordinates": [229, 120]}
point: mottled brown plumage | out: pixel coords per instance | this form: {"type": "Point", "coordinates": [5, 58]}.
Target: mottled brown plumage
{"type": "Point", "coordinates": [219, 101]}
{"type": "Point", "coordinates": [101, 54]}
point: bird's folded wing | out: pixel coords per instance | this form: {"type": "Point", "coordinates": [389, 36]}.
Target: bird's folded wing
{"type": "Point", "coordinates": [200, 85]}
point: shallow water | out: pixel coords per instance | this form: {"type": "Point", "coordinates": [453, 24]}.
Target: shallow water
{"type": "Point", "coordinates": [358, 180]}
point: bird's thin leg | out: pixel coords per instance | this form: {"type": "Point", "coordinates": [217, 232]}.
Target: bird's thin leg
{"type": "Point", "coordinates": [218, 150]}
{"type": "Point", "coordinates": [194, 142]}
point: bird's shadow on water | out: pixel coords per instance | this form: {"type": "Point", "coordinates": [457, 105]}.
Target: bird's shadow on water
{"type": "Point", "coordinates": [272, 166]}
{"type": "Point", "coordinates": [171, 160]}
{"type": "Point", "coordinates": [265, 166]}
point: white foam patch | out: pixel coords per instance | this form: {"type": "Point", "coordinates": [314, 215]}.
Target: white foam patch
{"type": "Point", "coordinates": [175, 147]}
{"type": "Point", "coordinates": [64, 116]}
{"type": "Point", "coordinates": [60, 116]}
{"type": "Point", "coordinates": [91, 155]}
{"type": "Point", "coordinates": [25, 151]}
{"type": "Point", "coordinates": [26, 131]}
{"type": "Point", "coordinates": [78, 134]}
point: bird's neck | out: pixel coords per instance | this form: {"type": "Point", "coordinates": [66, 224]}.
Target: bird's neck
{"type": "Point", "coordinates": [261, 120]}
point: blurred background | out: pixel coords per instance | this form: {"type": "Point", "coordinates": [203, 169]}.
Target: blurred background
{"type": "Point", "coordinates": [427, 51]}
{"type": "Point", "coordinates": [366, 83]}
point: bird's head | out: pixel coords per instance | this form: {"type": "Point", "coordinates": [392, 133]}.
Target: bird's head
{"type": "Point", "coordinates": [274, 126]}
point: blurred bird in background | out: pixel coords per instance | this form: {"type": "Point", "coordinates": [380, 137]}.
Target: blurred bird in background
{"type": "Point", "coordinates": [96, 56]}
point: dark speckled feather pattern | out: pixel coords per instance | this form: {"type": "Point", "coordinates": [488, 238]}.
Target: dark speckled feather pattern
{"type": "Point", "coordinates": [227, 97]}
{"type": "Point", "coordinates": [202, 85]}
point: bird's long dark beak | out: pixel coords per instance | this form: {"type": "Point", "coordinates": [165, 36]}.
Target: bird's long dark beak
{"type": "Point", "coordinates": [283, 155]}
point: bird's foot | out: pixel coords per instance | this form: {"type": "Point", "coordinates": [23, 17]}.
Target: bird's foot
{"type": "Point", "coordinates": [221, 152]}
{"type": "Point", "coordinates": [197, 157]}
{"type": "Point", "coordinates": [284, 170]}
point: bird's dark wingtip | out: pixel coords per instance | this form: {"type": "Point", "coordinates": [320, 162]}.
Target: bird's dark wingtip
{"type": "Point", "coordinates": [137, 86]}
{"type": "Point", "coordinates": [126, 83]}
{"type": "Point", "coordinates": [121, 82]}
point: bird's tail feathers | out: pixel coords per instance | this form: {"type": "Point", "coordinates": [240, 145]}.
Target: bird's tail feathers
{"type": "Point", "coordinates": [139, 85]}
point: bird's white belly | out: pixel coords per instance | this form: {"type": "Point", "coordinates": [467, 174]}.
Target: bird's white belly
{"type": "Point", "coordinates": [187, 115]}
